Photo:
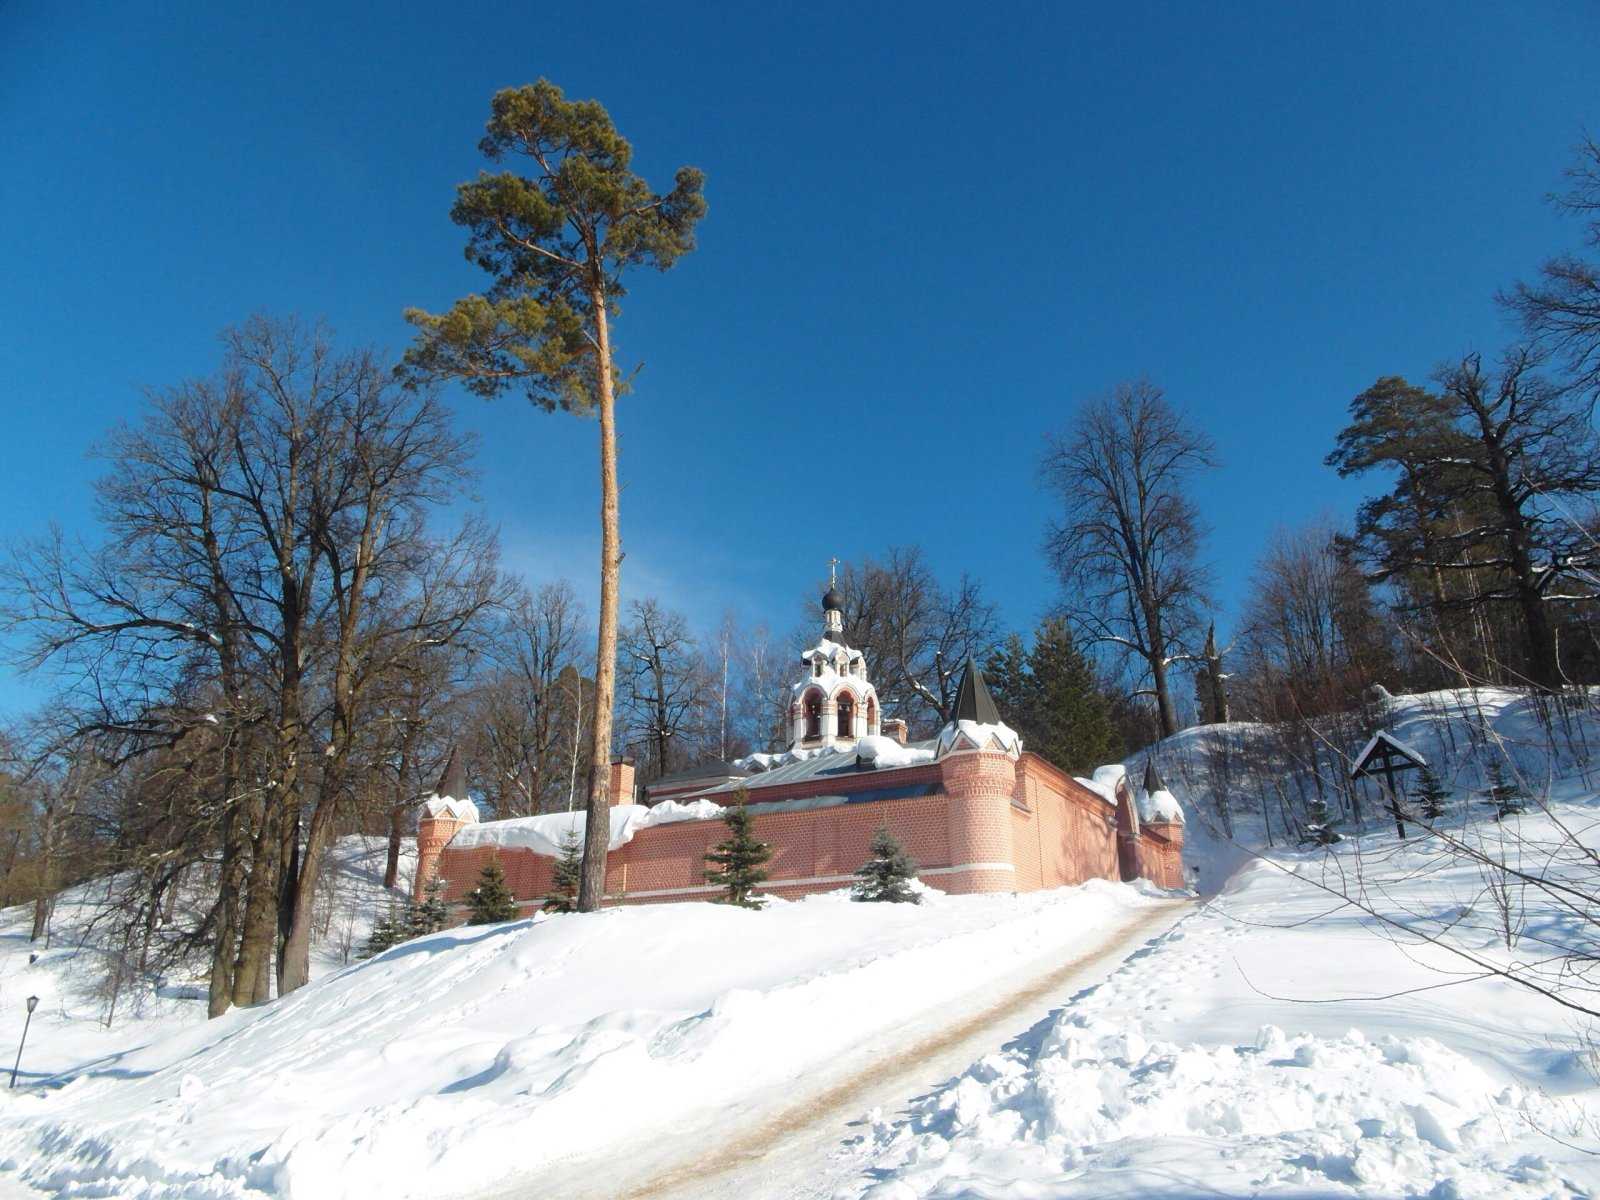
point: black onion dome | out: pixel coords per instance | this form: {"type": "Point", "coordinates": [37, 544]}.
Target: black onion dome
{"type": "Point", "coordinates": [832, 600]}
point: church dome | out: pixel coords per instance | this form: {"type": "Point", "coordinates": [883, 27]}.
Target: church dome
{"type": "Point", "coordinates": [832, 600]}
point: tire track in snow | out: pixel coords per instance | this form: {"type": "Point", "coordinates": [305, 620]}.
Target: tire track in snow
{"type": "Point", "coordinates": [787, 1153]}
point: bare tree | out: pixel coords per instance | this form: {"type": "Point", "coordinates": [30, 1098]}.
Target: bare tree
{"type": "Point", "coordinates": [1126, 543]}
{"type": "Point", "coordinates": [914, 633]}
{"type": "Point", "coordinates": [1561, 308]}
{"type": "Point", "coordinates": [668, 691]}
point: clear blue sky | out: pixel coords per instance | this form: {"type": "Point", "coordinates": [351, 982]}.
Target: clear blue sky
{"type": "Point", "coordinates": [932, 230]}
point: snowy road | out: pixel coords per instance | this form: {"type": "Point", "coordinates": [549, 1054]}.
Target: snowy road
{"type": "Point", "coordinates": [798, 1147]}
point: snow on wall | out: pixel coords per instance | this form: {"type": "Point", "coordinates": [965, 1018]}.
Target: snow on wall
{"type": "Point", "coordinates": [547, 834]}
{"type": "Point", "coordinates": [449, 806]}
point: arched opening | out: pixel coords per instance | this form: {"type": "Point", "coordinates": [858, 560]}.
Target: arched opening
{"type": "Point", "coordinates": [847, 715]}
{"type": "Point", "coordinates": [872, 715]}
{"type": "Point", "coordinates": [813, 704]}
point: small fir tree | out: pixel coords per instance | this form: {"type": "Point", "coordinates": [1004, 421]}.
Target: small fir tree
{"type": "Point", "coordinates": [432, 914]}
{"type": "Point", "coordinates": [386, 932]}
{"type": "Point", "coordinates": [563, 894]}
{"type": "Point", "coordinates": [735, 863]}
{"type": "Point", "coordinates": [886, 876]}
{"type": "Point", "coordinates": [1505, 795]}
{"type": "Point", "coordinates": [1431, 795]}
{"type": "Point", "coordinates": [491, 901]}
{"type": "Point", "coordinates": [1320, 829]}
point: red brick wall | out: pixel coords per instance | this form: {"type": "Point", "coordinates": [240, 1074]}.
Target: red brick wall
{"type": "Point", "coordinates": [1003, 825]}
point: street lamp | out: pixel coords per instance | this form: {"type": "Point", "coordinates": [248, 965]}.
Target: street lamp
{"type": "Point", "coordinates": [33, 1003]}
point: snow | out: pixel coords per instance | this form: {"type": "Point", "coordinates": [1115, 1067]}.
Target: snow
{"type": "Point", "coordinates": [449, 806]}
{"type": "Point", "coordinates": [1105, 780]}
{"type": "Point", "coordinates": [454, 1061]}
{"type": "Point", "coordinates": [883, 751]}
{"type": "Point", "coordinates": [1381, 737]}
{"type": "Point", "coordinates": [1161, 805]}
{"type": "Point", "coordinates": [991, 736]}
{"type": "Point", "coordinates": [548, 834]}
{"type": "Point", "coordinates": [1280, 1042]}
{"type": "Point", "coordinates": [69, 1029]}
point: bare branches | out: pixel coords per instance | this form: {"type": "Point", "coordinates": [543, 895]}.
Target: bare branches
{"type": "Point", "coordinates": [1126, 543]}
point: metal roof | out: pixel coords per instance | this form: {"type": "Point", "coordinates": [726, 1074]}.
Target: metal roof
{"type": "Point", "coordinates": [973, 702]}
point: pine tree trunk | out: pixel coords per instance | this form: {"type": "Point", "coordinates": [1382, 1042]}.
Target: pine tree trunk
{"type": "Point", "coordinates": [397, 829]}
{"type": "Point", "coordinates": [597, 826]}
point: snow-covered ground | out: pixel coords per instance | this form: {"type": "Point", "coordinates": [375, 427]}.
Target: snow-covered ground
{"type": "Point", "coordinates": [1279, 1042]}
{"type": "Point", "coordinates": [453, 1060]}
{"type": "Point", "coordinates": [75, 1023]}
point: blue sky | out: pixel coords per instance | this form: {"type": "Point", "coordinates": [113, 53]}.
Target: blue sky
{"type": "Point", "coordinates": [933, 229]}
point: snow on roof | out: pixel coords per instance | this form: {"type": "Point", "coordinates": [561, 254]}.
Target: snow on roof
{"type": "Point", "coordinates": [1161, 805]}
{"type": "Point", "coordinates": [1105, 780]}
{"type": "Point", "coordinates": [547, 834]}
{"type": "Point", "coordinates": [448, 806]}
{"type": "Point", "coordinates": [1384, 737]}
{"type": "Point", "coordinates": [883, 751]}
{"type": "Point", "coordinates": [995, 735]}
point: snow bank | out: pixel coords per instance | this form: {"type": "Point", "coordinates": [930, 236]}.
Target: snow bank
{"type": "Point", "coordinates": [1276, 1042]}
{"type": "Point", "coordinates": [888, 752]}
{"type": "Point", "coordinates": [1099, 1109]}
{"type": "Point", "coordinates": [548, 834]}
{"type": "Point", "coordinates": [455, 1061]}
{"type": "Point", "coordinates": [1161, 805]}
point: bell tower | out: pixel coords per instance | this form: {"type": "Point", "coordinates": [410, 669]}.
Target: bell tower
{"type": "Point", "coordinates": [834, 705]}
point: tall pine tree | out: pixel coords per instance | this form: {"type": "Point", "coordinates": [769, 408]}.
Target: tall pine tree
{"type": "Point", "coordinates": [491, 901]}
{"type": "Point", "coordinates": [558, 242]}
{"type": "Point", "coordinates": [736, 862]}
{"type": "Point", "coordinates": [888, 875]}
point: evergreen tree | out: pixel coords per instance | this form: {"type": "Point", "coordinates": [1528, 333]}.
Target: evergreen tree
{"type": "Point", "coordinates": [386, 931]}
{"type": "Point", "coordinates": [736, 862]}
{"type": "Point", "coordinates": [432, 914]}
{"type": "Point", "coordinates": [1431, 795]}
{"type": "Point", "coordinates": [563, 894]}
{"type": "Point", "coordinates": [1050, 696]}
{"type": "Point", "coordinates": [1320, 829]}
{"type": "Point", "coordinates": [491, 901]}
{"type": "Point", "coordinates": [888, 874]}
{"type": "Point", "coordinates": [558, 242]}
{"type": "Point", "coordinates": [1506, 795]}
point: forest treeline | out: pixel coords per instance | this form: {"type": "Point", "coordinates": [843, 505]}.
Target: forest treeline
{"type": "Point", "coordinates": [282, 625]}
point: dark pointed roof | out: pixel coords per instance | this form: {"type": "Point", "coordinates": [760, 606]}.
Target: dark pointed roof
{"type": "Point", "coordinates": [453, 782]}
{"type": "Point", "coordinates": [973, 702]}
{"type": "Point", "coordinates": [1152, 778]}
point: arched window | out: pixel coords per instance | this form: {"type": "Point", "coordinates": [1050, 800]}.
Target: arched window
{"type": "Point", "coordinates": [872, 715]}
{"type": "Point", "coordinates": [813, 714]}
{"type": "Point", "coordinates": [847, 714]}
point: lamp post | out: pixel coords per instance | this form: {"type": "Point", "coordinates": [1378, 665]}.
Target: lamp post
{"type": "Point", "coordinates": [33, 1003]}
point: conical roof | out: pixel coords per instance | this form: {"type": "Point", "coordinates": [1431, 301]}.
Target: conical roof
{"type": "Point", "coordinates": [453, 782]}
{"type": "Point", "coordinates": [973, 702]}
{"type": "Point", "coordinates": [1152, 778]}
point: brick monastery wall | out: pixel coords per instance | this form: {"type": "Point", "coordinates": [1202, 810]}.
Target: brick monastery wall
{"type": "Point", "coordinates": [994, 825]}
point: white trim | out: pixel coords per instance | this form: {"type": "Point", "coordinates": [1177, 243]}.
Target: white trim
{"type": "Point", "coordinates": [702, 889]}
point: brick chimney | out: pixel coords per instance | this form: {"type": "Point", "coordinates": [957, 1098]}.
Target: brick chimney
{"type": "Point", "coordinates": [896, 728]}
{"type": "Point", "coordinates": [621, 781]}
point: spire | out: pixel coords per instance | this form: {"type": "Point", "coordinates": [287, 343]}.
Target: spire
{"type": "Point", "coordinates": [832, 603]}
{"type": "Point", "coordinates": [1152, 778]}
{"type": "Point", "coordinates": [973, 702]}
{"type": "Point", "coordinates": [453, 782]}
